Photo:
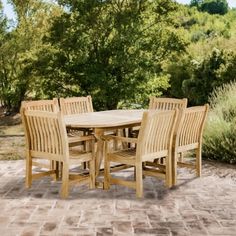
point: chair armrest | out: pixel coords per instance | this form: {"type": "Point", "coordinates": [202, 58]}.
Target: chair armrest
{"type": "Point", "coordinates": [80, 138]}
{"type": "Point", "coordinates": [119, 138]}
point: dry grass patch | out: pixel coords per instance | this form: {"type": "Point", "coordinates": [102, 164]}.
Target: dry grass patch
{"type": "Point", "coordinates": [12, 141]}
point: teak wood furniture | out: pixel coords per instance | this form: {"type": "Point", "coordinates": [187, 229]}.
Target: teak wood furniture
{"type": "Point", "coordinates": [188, 136]}
{"type": "Point", "coordinates": [50, 106]}
{"type": "Point", "coordinates": [73, 106]}
{"type": "Point", "coordinates": [161, 104]}
{"type": "Point", "coordinates": [46, 105]}
{"type": "Point", "coordinates": [154, 142]}
{"type": "Point", "coordinates": [76, 105]}
{"type": "Point", "coordinates": [166, 103]}
{"type": "Point", "coordinates": [46, 138]}
{"type": "Point", "coordinates": [102, 122]}
{"type": "Point", "coordinates": [40, 105]}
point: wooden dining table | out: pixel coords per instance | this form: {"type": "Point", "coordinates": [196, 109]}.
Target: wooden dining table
{"type": "Point", "coordinates": [103, 121]}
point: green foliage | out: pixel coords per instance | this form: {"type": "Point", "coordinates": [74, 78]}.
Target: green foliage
{"type": "Point", "coordinates": [18, 49]}
{"type": "Point", "coordinates": [203, 27]}
{"type": "Point", "coordinates": [155, 86]}
{"type": "Point", "coordinates": [204, 77]}
{"type": "Point", "coordinates": [179, 70]}
{"type": "Point", "coordinates": [3, 33]}
{"type": "Point", "coordinates": [120, 52]}
{"type": "Point", "coordinates": [219, 135]}
{"type": "Point", "coordinates": [109, 49]}
{"type": "Point", "coordinates": [210, 57]}
{"type": "Point", "coordinates": [195, 3]}
{"type": "Point", "coordinates": [211, 6]}
{"type": "Point", "coordinates": [196, 79]}
{"type": "Point", "coordinates": [214, 71]}
{"type": "Point", "coordinates": [214, 6]}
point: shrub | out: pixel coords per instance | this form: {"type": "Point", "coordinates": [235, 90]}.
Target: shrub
{"type": "Point", "coordinates": [219, 141]}
{"type": "Point", "coordinates": [215, 6]}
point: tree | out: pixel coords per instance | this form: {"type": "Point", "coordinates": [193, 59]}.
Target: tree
{"type": "Point", "coordinates": [214, 71]}
{"type": "Point", "coordinates": [215, 6]}
{"type": "Point", "coordinates": [195, 3]}
{"type": "Point", "coordinates": [109, 49]}
{"type": "Point", "coordinates": [3, 32]}
{"type": "Point", "coordinates": [18, 50]}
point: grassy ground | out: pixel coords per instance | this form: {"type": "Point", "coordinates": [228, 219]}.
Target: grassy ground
{"type": "Point", "coordinates": [12, 140]}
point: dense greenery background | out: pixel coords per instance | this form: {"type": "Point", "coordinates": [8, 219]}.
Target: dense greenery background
{"type": "Point", "coordinates": [119, 51]}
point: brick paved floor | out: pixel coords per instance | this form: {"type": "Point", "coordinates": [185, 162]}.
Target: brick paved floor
{"type": "Point", "coordinates": [197, 206]}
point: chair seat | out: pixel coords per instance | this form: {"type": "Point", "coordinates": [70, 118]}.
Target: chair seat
{"type": "Point", "coordinates": [79, 156]}
{"type": "Point", "coordinates": [126, 156]}
{"type": "Point", "coordinates": [127, 153]}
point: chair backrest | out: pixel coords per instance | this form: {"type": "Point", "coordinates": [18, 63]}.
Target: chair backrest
{"type": "Point", "coordinates": [41, 105]}
{"type": "Point", "coordinates": [76, 105]}
{"type": "Point", "coordinates": [156, 134]}
{"type": "Point", "coordinates": [190, 128]}
{"type": "Point", "coordinates": [46, 136]}
{"type": "Point", "coordinates": [167, 103]}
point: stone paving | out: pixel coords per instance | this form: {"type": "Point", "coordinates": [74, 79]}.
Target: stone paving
{"type": "Point", "coordinates": [196, 206]}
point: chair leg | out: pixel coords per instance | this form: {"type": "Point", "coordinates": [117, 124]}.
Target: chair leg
{"type": "Point", "coordinates": [84, 165]}
{"type": "Point", "coordinates": [134, 173]}
{"type": "Point", "coordinates": [174, 168]}
{"type": "Point", "coordinates": [157, 161]}
{"type": "Point", "coordinates": [107, 175]}
{"type": "Point", "coordinates": [162, 161]}
{"type": "Point", "coordinates": [115, 142]}
{"type": "Point", "coordinates": [87, 147]}
{"type": "Point", "coordinates": [123, 133]}
{"type": "Point", "coordinates": [199, 161]}
{"type": "Point", "coordinates": [58, 170]}
{"type": "Point", "coordinates": [52, 165]}
{"type": "Point", "coordinates": [181, 157]}
{"type": "Point", "coordinates": [92, 173]}
{"type": "Point", "coordinates": [169, 170]}
{"type": "Point", "coordinates": [28, 179]}
{"type": "Point", "coordinates": [139, 179]}
{"type": "Point", "coordinates": [65, 181]}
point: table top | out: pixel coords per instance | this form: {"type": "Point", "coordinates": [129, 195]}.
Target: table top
{"type": "Point", "coordinates": [105, 119]}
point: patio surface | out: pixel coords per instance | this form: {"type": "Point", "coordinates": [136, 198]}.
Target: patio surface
{"type": "Point", "coordinates": [197, 206]}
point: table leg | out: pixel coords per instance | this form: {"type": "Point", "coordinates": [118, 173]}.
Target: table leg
{"type": "Point", "coordinates": [100, 149]}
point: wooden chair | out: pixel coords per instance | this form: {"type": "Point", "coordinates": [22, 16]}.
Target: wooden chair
{"type": "Point", "coordinates": [188, 136]}
{"type": "Point", "coordinates": [164, 104]}
{"type": "Point", "coordinates": [46, 138]}
{"type": "Point", "coordinates": [154, 141]}
{"type": "Point", "coordinates": [167, 103]}
{"type": "Point", "coordinates": [40, 105]}
{"type": "Point", "coordinates": [76, 105]}
{"type": "Point", "coordinates": [161, 104]}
